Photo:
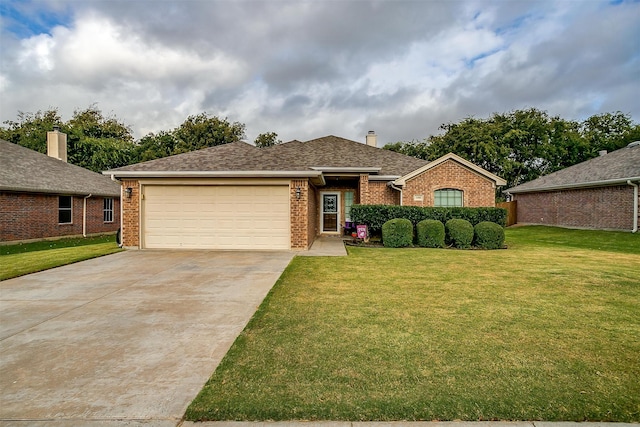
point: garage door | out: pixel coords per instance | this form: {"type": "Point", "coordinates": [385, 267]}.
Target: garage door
{"type": "Point", "coordinates": [216, 217]}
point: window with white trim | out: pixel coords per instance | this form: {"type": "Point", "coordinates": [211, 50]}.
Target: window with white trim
{"type": "Point", "coordinates": [107, 210]}
{"type": "Point", "coordinates": [65, 215]}
{"type": "Point", "coordinates": [448, 197]}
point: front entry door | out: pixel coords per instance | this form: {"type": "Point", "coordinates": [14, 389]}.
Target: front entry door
{"type": "Point", "coordinates": [330, 215]}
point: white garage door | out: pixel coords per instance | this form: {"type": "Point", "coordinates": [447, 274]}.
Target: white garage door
{"type": "Point", "coordinates": [216, 217]}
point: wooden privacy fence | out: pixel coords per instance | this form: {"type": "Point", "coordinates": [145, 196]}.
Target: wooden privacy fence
{"type": "Point", "coordinates": [511, 207]}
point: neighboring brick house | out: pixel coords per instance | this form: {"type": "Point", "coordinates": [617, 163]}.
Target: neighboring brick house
{"type": "Point", "coordinates": [237, 196]}
{"type": "Point", "coordinates": [601, 193]}
{"type": "Point", "coordinates": [45, 197]}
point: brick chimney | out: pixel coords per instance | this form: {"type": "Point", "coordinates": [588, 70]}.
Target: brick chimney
{"type": "Point", "coordinates": [57, 144]}
{"type": "Point", "coordinates": [372, 139]}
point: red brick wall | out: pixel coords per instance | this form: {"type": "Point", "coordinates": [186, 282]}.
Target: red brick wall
{"type": "Point", "coordinates": [478, 191]}
{"type": "Point", "coordinates": [131, 214]}
{"type": "Point", "coordinates": [28, 216]}
{"type": "Point", "coordinates": [299, 214]}
{"type": "Point", "coordinates": [599, 208]}
{"type": "Point", "coordinates": [381, 194]}
{"type": "Point", "coordinates": [363, 190]}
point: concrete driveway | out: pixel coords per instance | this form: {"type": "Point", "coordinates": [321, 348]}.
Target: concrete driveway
{"type": "Point", "coordinates": [126, 339]}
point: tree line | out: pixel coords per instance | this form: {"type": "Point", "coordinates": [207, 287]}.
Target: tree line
{"type": "Point", "coordinates": [518, 146]}
{"type": "Point", "coordinates": [522, 145]}
{"type": "Point", "coordinates": [98, 142]}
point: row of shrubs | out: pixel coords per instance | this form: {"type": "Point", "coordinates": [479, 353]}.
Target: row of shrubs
{"type": "Point", "coordinates": [431, 233]}
{"type": "Point", "coordinates": [376, 215]}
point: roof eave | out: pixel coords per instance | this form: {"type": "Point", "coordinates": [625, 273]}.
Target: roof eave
{"type": "Point", "coordinates": [383, 177]}
{"type": "Point", "coordinates": [590, 184]}
{"type": "Point", "coordinates": [13, 189]}
{"type": "Point", "coordinates": [334, 169]}
{"type": "Point", "coordinates": [213, 174]}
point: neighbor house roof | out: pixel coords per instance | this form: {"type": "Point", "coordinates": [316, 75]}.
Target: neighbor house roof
{"type": "Point", "coordinates": [309, 158]}
{"type": "Point", "coordinates": [614, 168]}
{"type": "Point", "coordinates": [25, 170]}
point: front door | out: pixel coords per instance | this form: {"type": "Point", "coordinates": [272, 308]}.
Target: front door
{"type": "Point", "coordinates": [330, 215]}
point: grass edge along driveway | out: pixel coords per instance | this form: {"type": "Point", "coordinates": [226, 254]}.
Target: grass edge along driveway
{"type": "Point", "coordinates": [20, 259]}
{"type": "Point", "coordinates": [546, 330]}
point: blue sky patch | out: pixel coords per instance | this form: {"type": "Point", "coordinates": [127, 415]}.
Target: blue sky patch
{"type": "Point", "coordinates": [25, 19]}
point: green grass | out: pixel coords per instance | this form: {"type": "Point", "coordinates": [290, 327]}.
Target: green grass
{"type": "Point", "coordinates": [546, 330]}
{"type": "Point", "coordinates": [20, 259]}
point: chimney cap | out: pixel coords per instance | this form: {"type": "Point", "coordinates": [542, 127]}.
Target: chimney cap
{"type": "Point", "coordinates": [372, 132]}
{"type": "Point", "coordinates": [56, 128]}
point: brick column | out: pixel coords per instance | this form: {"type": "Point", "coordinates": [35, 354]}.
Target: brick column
{"type": "Point", "coordinates": [131, 214]}
{"type": "Point", "coordinates": [299, 214]}
{"type": "Point", "coordinates": [363, 189]}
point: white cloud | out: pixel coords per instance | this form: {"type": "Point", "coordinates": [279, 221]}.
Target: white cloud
{"type": "Point", "coordinates": [305, 69]}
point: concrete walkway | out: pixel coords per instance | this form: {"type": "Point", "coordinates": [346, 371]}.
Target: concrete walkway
{"type": "Point", "coordinates": [326, 246]}
{"type": "Point", "coordinates": [125, 339]}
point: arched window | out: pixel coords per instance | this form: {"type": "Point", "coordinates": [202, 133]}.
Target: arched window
{"type": "Point", "coordinates": [448, 197]}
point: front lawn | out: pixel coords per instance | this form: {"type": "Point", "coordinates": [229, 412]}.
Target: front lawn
{"type": "Point", "coordinates": [20, 259]}
{"type": "Point", "coordinates": [546, 330]}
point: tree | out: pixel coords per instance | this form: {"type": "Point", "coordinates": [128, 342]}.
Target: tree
{"type": "Point", "coordinates": [97, 142]}
{"type": "Point", "coordinates": [155, 146]}
{"type": "Point", "coordinates": [94, 141]}
{"type": "Point", "coordinates": [609, 131]}
{"type": "Point", "coordinates": [525, 144]}
{"type": "Point", "coordinates": [268, 139]}
{"type": "Point", "coordinates": [202, 131]}
{"type": "Point", "coordinates": [30, 130]}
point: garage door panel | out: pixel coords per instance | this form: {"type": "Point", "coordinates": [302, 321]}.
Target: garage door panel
{"type": "Point", "coordinates": [216, 217]}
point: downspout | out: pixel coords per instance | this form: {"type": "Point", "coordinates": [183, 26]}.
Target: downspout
{"type": "Point", "coordinates": [635, 205]}
{"type": "Point", "coordinates": [121, 211]}
{"type": "Point", "coordinates": [398, 189]}
{"type": "Point", "coordinates": [84, 216]}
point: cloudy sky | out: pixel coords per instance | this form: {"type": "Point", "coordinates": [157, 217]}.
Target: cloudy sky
{"type": "Point", "coordinates": [305, 69]}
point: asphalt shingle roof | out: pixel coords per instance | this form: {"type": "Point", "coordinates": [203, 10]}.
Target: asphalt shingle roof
{"type": "Point", "coordinates": [25, 170]}
{"type": "Point", "coordinates": [329, 151]}
{"type": "Point", "coordinates": [617, 166]}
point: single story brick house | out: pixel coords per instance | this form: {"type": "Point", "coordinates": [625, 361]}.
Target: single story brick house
{"type": "Point", "coordinates": [238, 196]}
{"type": "Point", "coordinates": [601, 193]}
{"type": "Point", "coordinates": [43, 196]}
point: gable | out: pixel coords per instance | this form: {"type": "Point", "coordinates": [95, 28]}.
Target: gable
{"type": "Point", "coordinates": [454, 160]}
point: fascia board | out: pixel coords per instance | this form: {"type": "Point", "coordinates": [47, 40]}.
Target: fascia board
{"type": "Point", "coordinates": [213, 174]}
{"type": "Point", "coordinates": [383, 177]}
{"type": "Point", "coordinates": [333, 169]}
{"type": "Point", "coordinates": [57, 191]}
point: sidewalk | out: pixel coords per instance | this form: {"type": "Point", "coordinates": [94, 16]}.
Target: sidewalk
{"type": "Point", "coordinates": [326, 246]}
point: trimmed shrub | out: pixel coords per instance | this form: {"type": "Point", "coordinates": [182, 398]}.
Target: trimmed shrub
{"type": "Point", "coordinates": [430, 233]}
{"type": "Point", "coordinates": [397, 233]}
{"type": "Point", "coordinates": [488, 235]}
{"type": "Point", "coordinates": [376, 215]}
{"type": "Point", "coordinates": [459, 233]}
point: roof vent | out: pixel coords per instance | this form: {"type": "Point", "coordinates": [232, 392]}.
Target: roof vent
{"type": "Point", "coordinates": [602, 152]}
{"type": "Point", "coordinates": [633, 144]}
